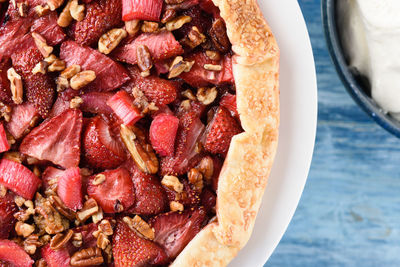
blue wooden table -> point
(349, 214)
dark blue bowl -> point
(354, 84)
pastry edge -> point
(251, 154)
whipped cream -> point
(370, 31)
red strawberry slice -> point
(198, 76)
(14, 254)
(47, 27)
(56, 258)
(116, 193)
(69, 188)
(56, 140)
(156, 89)
(96, 102)
(131, 250)
(62, 102)
(162, 134)
(150, 195)
(162, 45)
(18, 178)
(109, 74)
(21, 118)
(4, 145)
(174, 230)
(208, 200)
(122, 105)
(5, 92)
(220, 131)
(7, 220)
(141, 9)
(101, 148)
(38, 88)
(101, 16)
(186, 155)
(50, 177)
(228, 101)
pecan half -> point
(219, 37)
(87, 257)
(60, 240)
(102, 241)
(105, 227)
(82, 79)
(132, 26)
(77, 11)
(142, 152)
(194, 38)
(206, 167)
(144, 58)
(149, 26)
(41, 44)
(31, 243)
(140, 226)
(17, 89)
(57, 203)
(196, 179)
(70, 71)
(65, 18)
(177, 22)
(110, 40)
(172, 182)
(178, 66)
(207, 95)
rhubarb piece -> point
(47, 27)
(101, 148)
(21, 118)
(109, 74)
(162, 45)
(122, 105)
(56, 140)
(141, 10)
(113, 190)
(7, 210)
(101, 16)
(4, 145)
(162, 134)
(131, 250)
(174, 230)
(14, 254)
(69, 188)
(18, 178)
(96, 102)
(56, 258)
(220, 131)
(38, 88)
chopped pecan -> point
(42, 10)
(172, 182)
(206, 95)
(60, 240)
(47, 218)
(178, 66)
(140, 226)
(31, 243)
(77, 11)
(23, 9)
(149, 26)
(62, 84)
(212, 67)
(98, 216)
(218, 35)
(82, 79)
(57, 203)
(90, 208)
(110, 40)
(40, 67)
(57, 65)
(176, 206)
(5, 111)
(213, 55)
(3, 190)
(65, 18)
(50, 59)
(102, 241)
(87, 257)
(75, 102)
(105, 227)
(168, 15)
(17, 89)
(41, 263)
(24, 229)
(132, 26)
(144, 58)
(196, 179)
(70, 71)
(142, 152)
(41, 44)
(194, 38)
(189, 94)
(19, 201)
(77, 240)
(177, 22)
(54, 4)
(206, 167)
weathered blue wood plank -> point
(349, 214)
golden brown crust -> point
(247, 166)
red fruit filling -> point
(122, 105)
(69, 188)
(4, 145)
(141, 9)
(163, 130)
(12, 253)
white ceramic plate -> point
(297, 131)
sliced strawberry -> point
(208, 200)
(186, 154)
(18, 178)
(38, 88)
(7, 209)
(56, 258)
(4, 145)
(198, 76)
(96, 102)
(101, 148)
(228, 101)
(62, 102)
(131, 250)
(156, 89)
(116, 193)
(220, 131)
(174, 230)
(69, 188)
(101, 16)
(162, 45)
(50, 177)
(14, 254)
(56, 140)
(162, 134)
(109, 74)
(47, 27)
(141, 9)
(5, 92)
(122, 105)
(150, 195)
(21, 118)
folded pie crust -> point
(247, 166)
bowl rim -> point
(328, 11)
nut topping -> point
(213, 55)
(142, 152)
(31, 243)
(24, 229)
(77, 240)
(212, 67)
(60, 240)
(65, 18)
(82, 79)
(149, 26)
(102, 241)
(89, 208)
(75, 102)
(87, 257)
(189, 94)
(172, 182)
(206, 167)
(110, 40)
(176, 206)
(196, 179)
(57, 203)
(144, 58)
(42, 10)
(62, 84)
(138, 225)
(54, 4)
(41, 44)
(17, 90)
(132, 26)
(168, 15)
(106, 228)
(40, 67)
(70, 71)
(50, 59)
(98, 216)
(177, 22)
(3, 190)
(219, 37)
(207, 95)
(57, 65)
(178, 66)
(194, 38)
(77, 11)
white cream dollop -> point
(370, 32)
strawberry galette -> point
(133, 132)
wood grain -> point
(349, 214)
